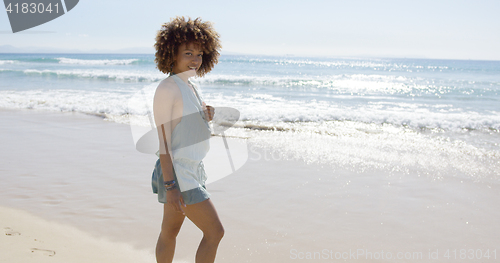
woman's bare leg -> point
(172, 222)
(205, 217)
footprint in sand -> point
(10, 232)
(46, 252)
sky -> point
(440, 29)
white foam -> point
(265, 107)
(262, 107)
(106, 74)
(2, 62)
(63, 60)
(92, 102)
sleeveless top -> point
(190, 139)
(189, 145)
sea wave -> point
(77, 61)
(63, 60)
(3, 62)
(144, 76)
(266, 107)
(91, 102)
(261, 107)
(34, 60)
(355, 83)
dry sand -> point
(27, 238)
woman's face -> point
(188, 59)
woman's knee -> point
(220, 232)
(215, 233)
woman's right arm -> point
(166, 112)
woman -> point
(184, 48)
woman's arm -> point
(167, 107)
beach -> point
(74, 189)
(342, 131)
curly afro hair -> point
(179, 31)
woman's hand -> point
(209, 112)
(174, 199)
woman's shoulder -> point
(168, 87)
(168, 83)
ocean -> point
(420, 117)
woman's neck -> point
(184, 76)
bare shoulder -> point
(167, 104)
(167, 91)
